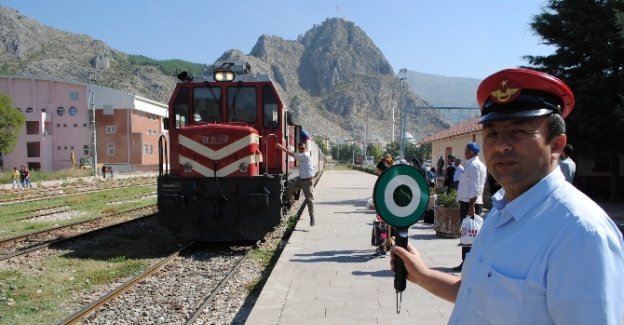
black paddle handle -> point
(400, 272)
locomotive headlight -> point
(188, 167)
(243, 167)
(224, 75)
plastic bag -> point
(370, 204)
(470, 229)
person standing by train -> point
(305, 182)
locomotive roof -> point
(243, 78)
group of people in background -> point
(21, 178)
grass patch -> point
(85, 207)
(54, 287)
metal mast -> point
(92, 131)
(403, 111)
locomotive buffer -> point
(401, 195)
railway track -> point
(179, 295)
(23, 244)
(176, 290)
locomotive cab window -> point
(269, 108)
(181, 108)
(206, 106)
(242, 104)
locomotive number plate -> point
(214, 139)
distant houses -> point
(124, 129)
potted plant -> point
(446, 222)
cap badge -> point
(503, 96)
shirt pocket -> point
(501, 298)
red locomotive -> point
(225, 179)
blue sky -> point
(455, 38)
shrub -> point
(448, 199)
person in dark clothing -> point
(449, 184)
(23, 176)
(104, 171)
(441, 166)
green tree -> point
(393, 148)
(344, 153)
(411, 150)
(11, 123)
(589, 57)
(321, 144)
(375, 151)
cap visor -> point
(508, 115)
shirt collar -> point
(519, 207)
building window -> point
(85, 149)
(65, 147)
(84, 125)
(29, 110)
(72, 147)
(64, 125)
(59, 148)
(73, 111)
(43, 110)
(145, 149)
(32, 127)
(74, 95)
(110, 129)
(110, 149)
(60, 111)
(19, 110)
(151, 149)
(140, 114)
(33, 149)
(75, 125)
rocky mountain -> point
(336, 81)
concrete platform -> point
(326, 274)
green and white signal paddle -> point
(401, 195)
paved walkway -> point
(326, 275)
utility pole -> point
(366, 134)
(92, 130)
(403, 111)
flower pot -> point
(446, 222)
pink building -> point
(58, 122)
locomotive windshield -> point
(242, 104)
(206, 104)
(181, 108)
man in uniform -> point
(546, 253)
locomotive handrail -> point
(162, 148)
(266, 150)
